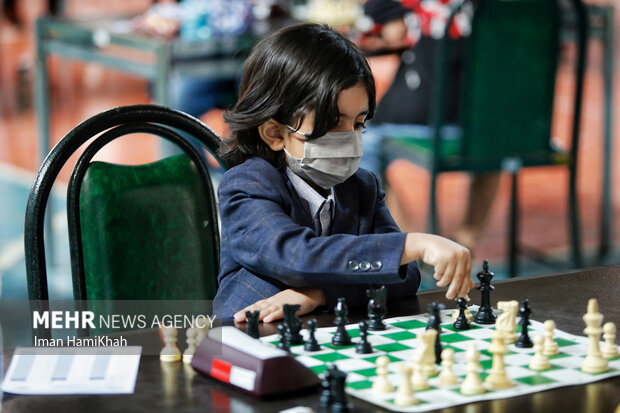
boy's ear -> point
(271, 133)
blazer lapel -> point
(346, 215)
(300, 210)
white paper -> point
(73, 370)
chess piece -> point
(511, 308)
(293, 324)
(539, 361)
(609, 350)
(171, 351)
(326, 388)
(524, 340)
(311, 343)
(419, 379)
(550, 347)
(377, 308)
(498, 379)
(405, 395)
(339, 397)
(363, 346)
(462, 322)
(426, 351)
(434, 322)
(485, 313)
(594, 361)
(382, 384)
(341, 337)
(252, 319)
(472, 383)
(282, 334)
(190, 335)
(447, 377)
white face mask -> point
(328, 160)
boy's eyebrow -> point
(344, 115)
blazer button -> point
(376, 265)
(353, 265)
(364, 265)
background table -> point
(175, 387)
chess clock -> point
(231, 356)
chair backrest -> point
(512, 56)
(136, 232)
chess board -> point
(399, 341)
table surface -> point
(176, 387)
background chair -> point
(135, 232)
(507, 105)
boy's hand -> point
(271, 308)
(452, 261)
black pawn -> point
(252, 319)
(461, 322)
(485, 313)
(377, 308)
(339, 397)
(341, 337)
(326, 388)
(311, 343)
(282, 332)
(363, 346)
(524, 340)
(293, 324)
(434, 322)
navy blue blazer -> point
(269, 242)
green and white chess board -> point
(399, 342)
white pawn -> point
(550, 347)
(594, 361)
(170, 352)
(382, 384)
(419, 380)
(609, 348)
(405, 395)
(191, 335)
(539, 361)
(447, 376)
(472, 383)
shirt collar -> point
(309, 194)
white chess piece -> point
(170, 352)
(594, 361)
(425, 353)
(497, 378)
(472, 383)
(191, 335)
(382, 384)
(419, 379)
(539, 360)
(447, 377)
(550, 347)
(405, 395)
(511, 308)
(609, 348)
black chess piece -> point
(434, 322)
(485, 313)
(363, 346)
(341, 337)
(293, 324)
(252, 319)
(462, 323)
(326, 388)
(377, 308)
(311, 343)
(339, 397)
(524, 340)
(282, 333)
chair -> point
(506, 105)
(140, 232)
